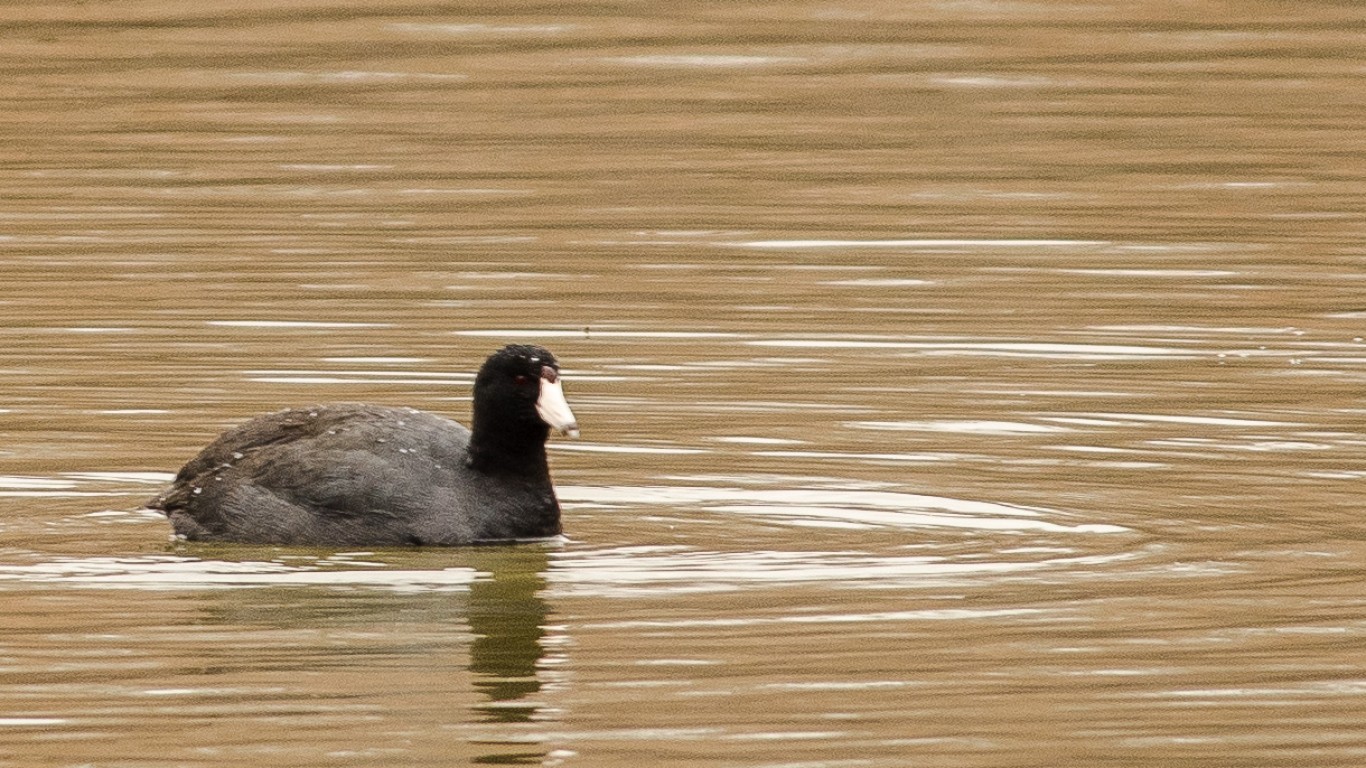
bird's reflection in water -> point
(402, 651)
(507, 617)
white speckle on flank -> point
(197, 491)
(237, 454)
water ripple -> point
(841, 508)
(634, 570)
(191, 573)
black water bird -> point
(349, 475)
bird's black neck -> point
(504, 447)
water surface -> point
(962, 384)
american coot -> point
(365, 475)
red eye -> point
(521, 380)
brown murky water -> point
(962, 383)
